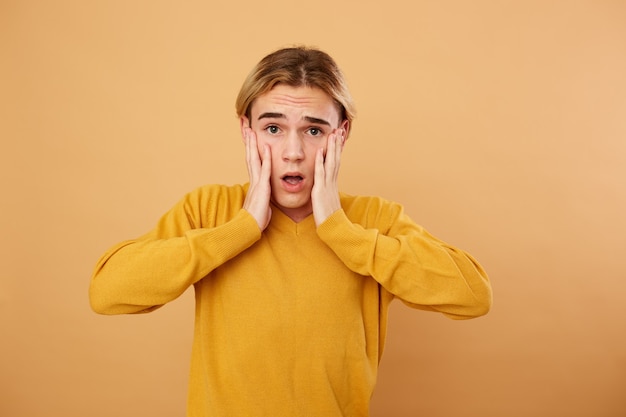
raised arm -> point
(376, 238)
(207, 228)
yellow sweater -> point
(290, 321)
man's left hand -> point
(325, 192)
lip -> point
(291, 186)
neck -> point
(295, 214)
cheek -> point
(261, 142)
(316, 149)
(325, 148)
(275, 154)
(313, 145)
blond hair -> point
(297, 67)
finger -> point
(332, 157)
(319, 167)
(341, 140)
(336, 156)
(266, 163)
(246, 140)
(252, 155)
(341, 137)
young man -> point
(293, 279)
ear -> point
(345, 125)
(244, 124)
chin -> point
(293, 201)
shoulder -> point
(370, 211)
(215, 203)
(219, 191)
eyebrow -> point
(270, 115)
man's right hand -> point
(257, 201)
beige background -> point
(500, 125)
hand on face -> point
(257, 201)
(325, 192)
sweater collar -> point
(283, 223)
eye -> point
(272, 129)
(314, 131)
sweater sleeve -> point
(192, 239)
(422, 271)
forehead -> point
(296, 102)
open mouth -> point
(292, 179)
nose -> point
(293, 149)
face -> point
(295, 123)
